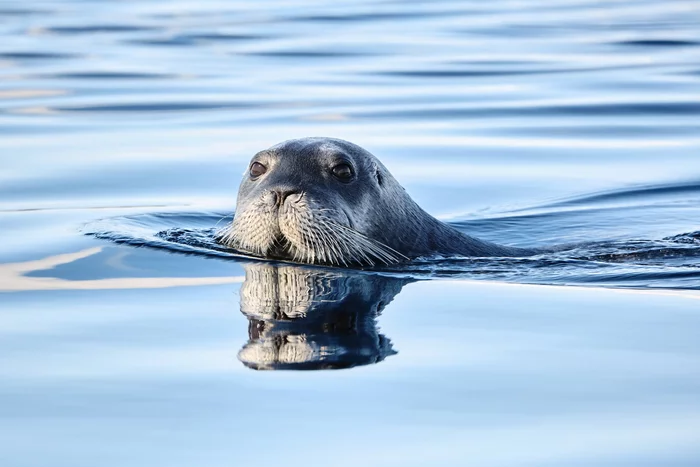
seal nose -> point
(281, 195)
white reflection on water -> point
(13, 278)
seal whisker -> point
(333, 244)
(330, 246)
(225, 217)
(321, 242)
(383, 252)
(388, 254)
(342, 241)
(357, 244)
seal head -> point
(330, 202)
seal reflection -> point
(303, 318)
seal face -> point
(328, 201)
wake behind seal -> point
(330, 202)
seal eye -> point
(343, 172)
(257, 169)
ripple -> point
(98, 28)
(631, 109)
(22, 12)
(369, 17)
(460, 73)
(176, 41)
(192, 39)
(109, 75)
(476, 73)
(190, 233)
(37, 55)
(156, 107)
(308, 53)
(658, 43)
(624, 263)
(213, 37)
(693, 237)
(644, 192)
(614, 131)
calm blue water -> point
(126, 339)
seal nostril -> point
(282, 194)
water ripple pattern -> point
(455, 64)
(615, 259)
(128, 335)
(490, 114)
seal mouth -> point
(280, 248)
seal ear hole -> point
(380, 178)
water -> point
(128, 338)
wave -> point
(670, 262)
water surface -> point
(527, 123)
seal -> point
(329, 202)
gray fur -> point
(370, 220)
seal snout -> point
(280, 195)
